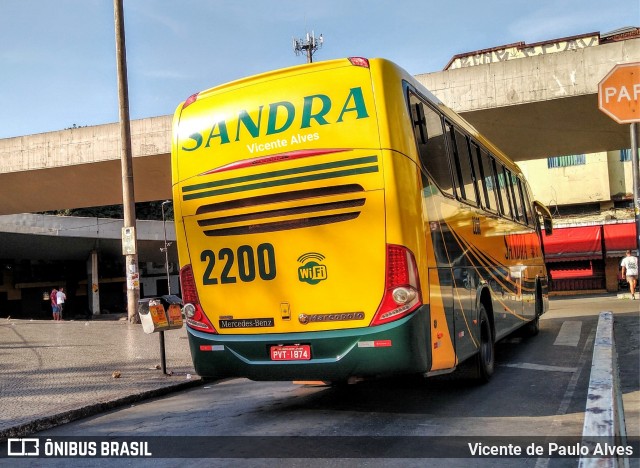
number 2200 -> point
(264, 257)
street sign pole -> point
(619, 98)
(635, 173)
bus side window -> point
(527, 205)
(465, 187)
(526, 214)
(489, 180)
(432, 149)
(503, 193)
(516, 204)
(479, 174)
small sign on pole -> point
(619, 93)
(129, 240)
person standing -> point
(54, 303)
(61, 297)
(629, 266)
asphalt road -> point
(537, 395)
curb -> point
(48, 422)
(627, 295)
(578, 292)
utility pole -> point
(309, 45)
(129, 237)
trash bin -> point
(173, 306)
(160, 313)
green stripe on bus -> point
(284, 172)
(279, 182)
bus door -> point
(442, 303)
(451, 292)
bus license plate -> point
(291, 353)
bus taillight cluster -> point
(196, 318)
(402, 286)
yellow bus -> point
(335, 221)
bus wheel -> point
(533, 328)
(484, 360)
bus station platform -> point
(55, 372)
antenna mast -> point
(309, 45)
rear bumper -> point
(399, 347)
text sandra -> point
(317, 109)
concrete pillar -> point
(94, 291)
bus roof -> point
(273, 74)
(374, 64)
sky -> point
(58, 62)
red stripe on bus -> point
(273, 159)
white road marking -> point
(540, 367)
(569, 334)
(570, 392)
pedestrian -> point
(629, 266)
(54, 303)
(61, 297)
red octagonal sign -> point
(619, 93)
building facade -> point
(591, 199)
(84, 255)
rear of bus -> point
(287, 268)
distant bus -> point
(335, 221)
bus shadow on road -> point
(439, 395)
(525, 382)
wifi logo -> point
(311, 271)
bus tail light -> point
(359, 62)
(193, 312)
(402, 286)
(190, 100)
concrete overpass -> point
(532, 108)
(541, 106)
(80, 167)
(58, 238)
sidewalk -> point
(55, 372)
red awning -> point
(573, 243)
(618, 238)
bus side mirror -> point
(545, 214)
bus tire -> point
(533, 328)
(484, 360)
